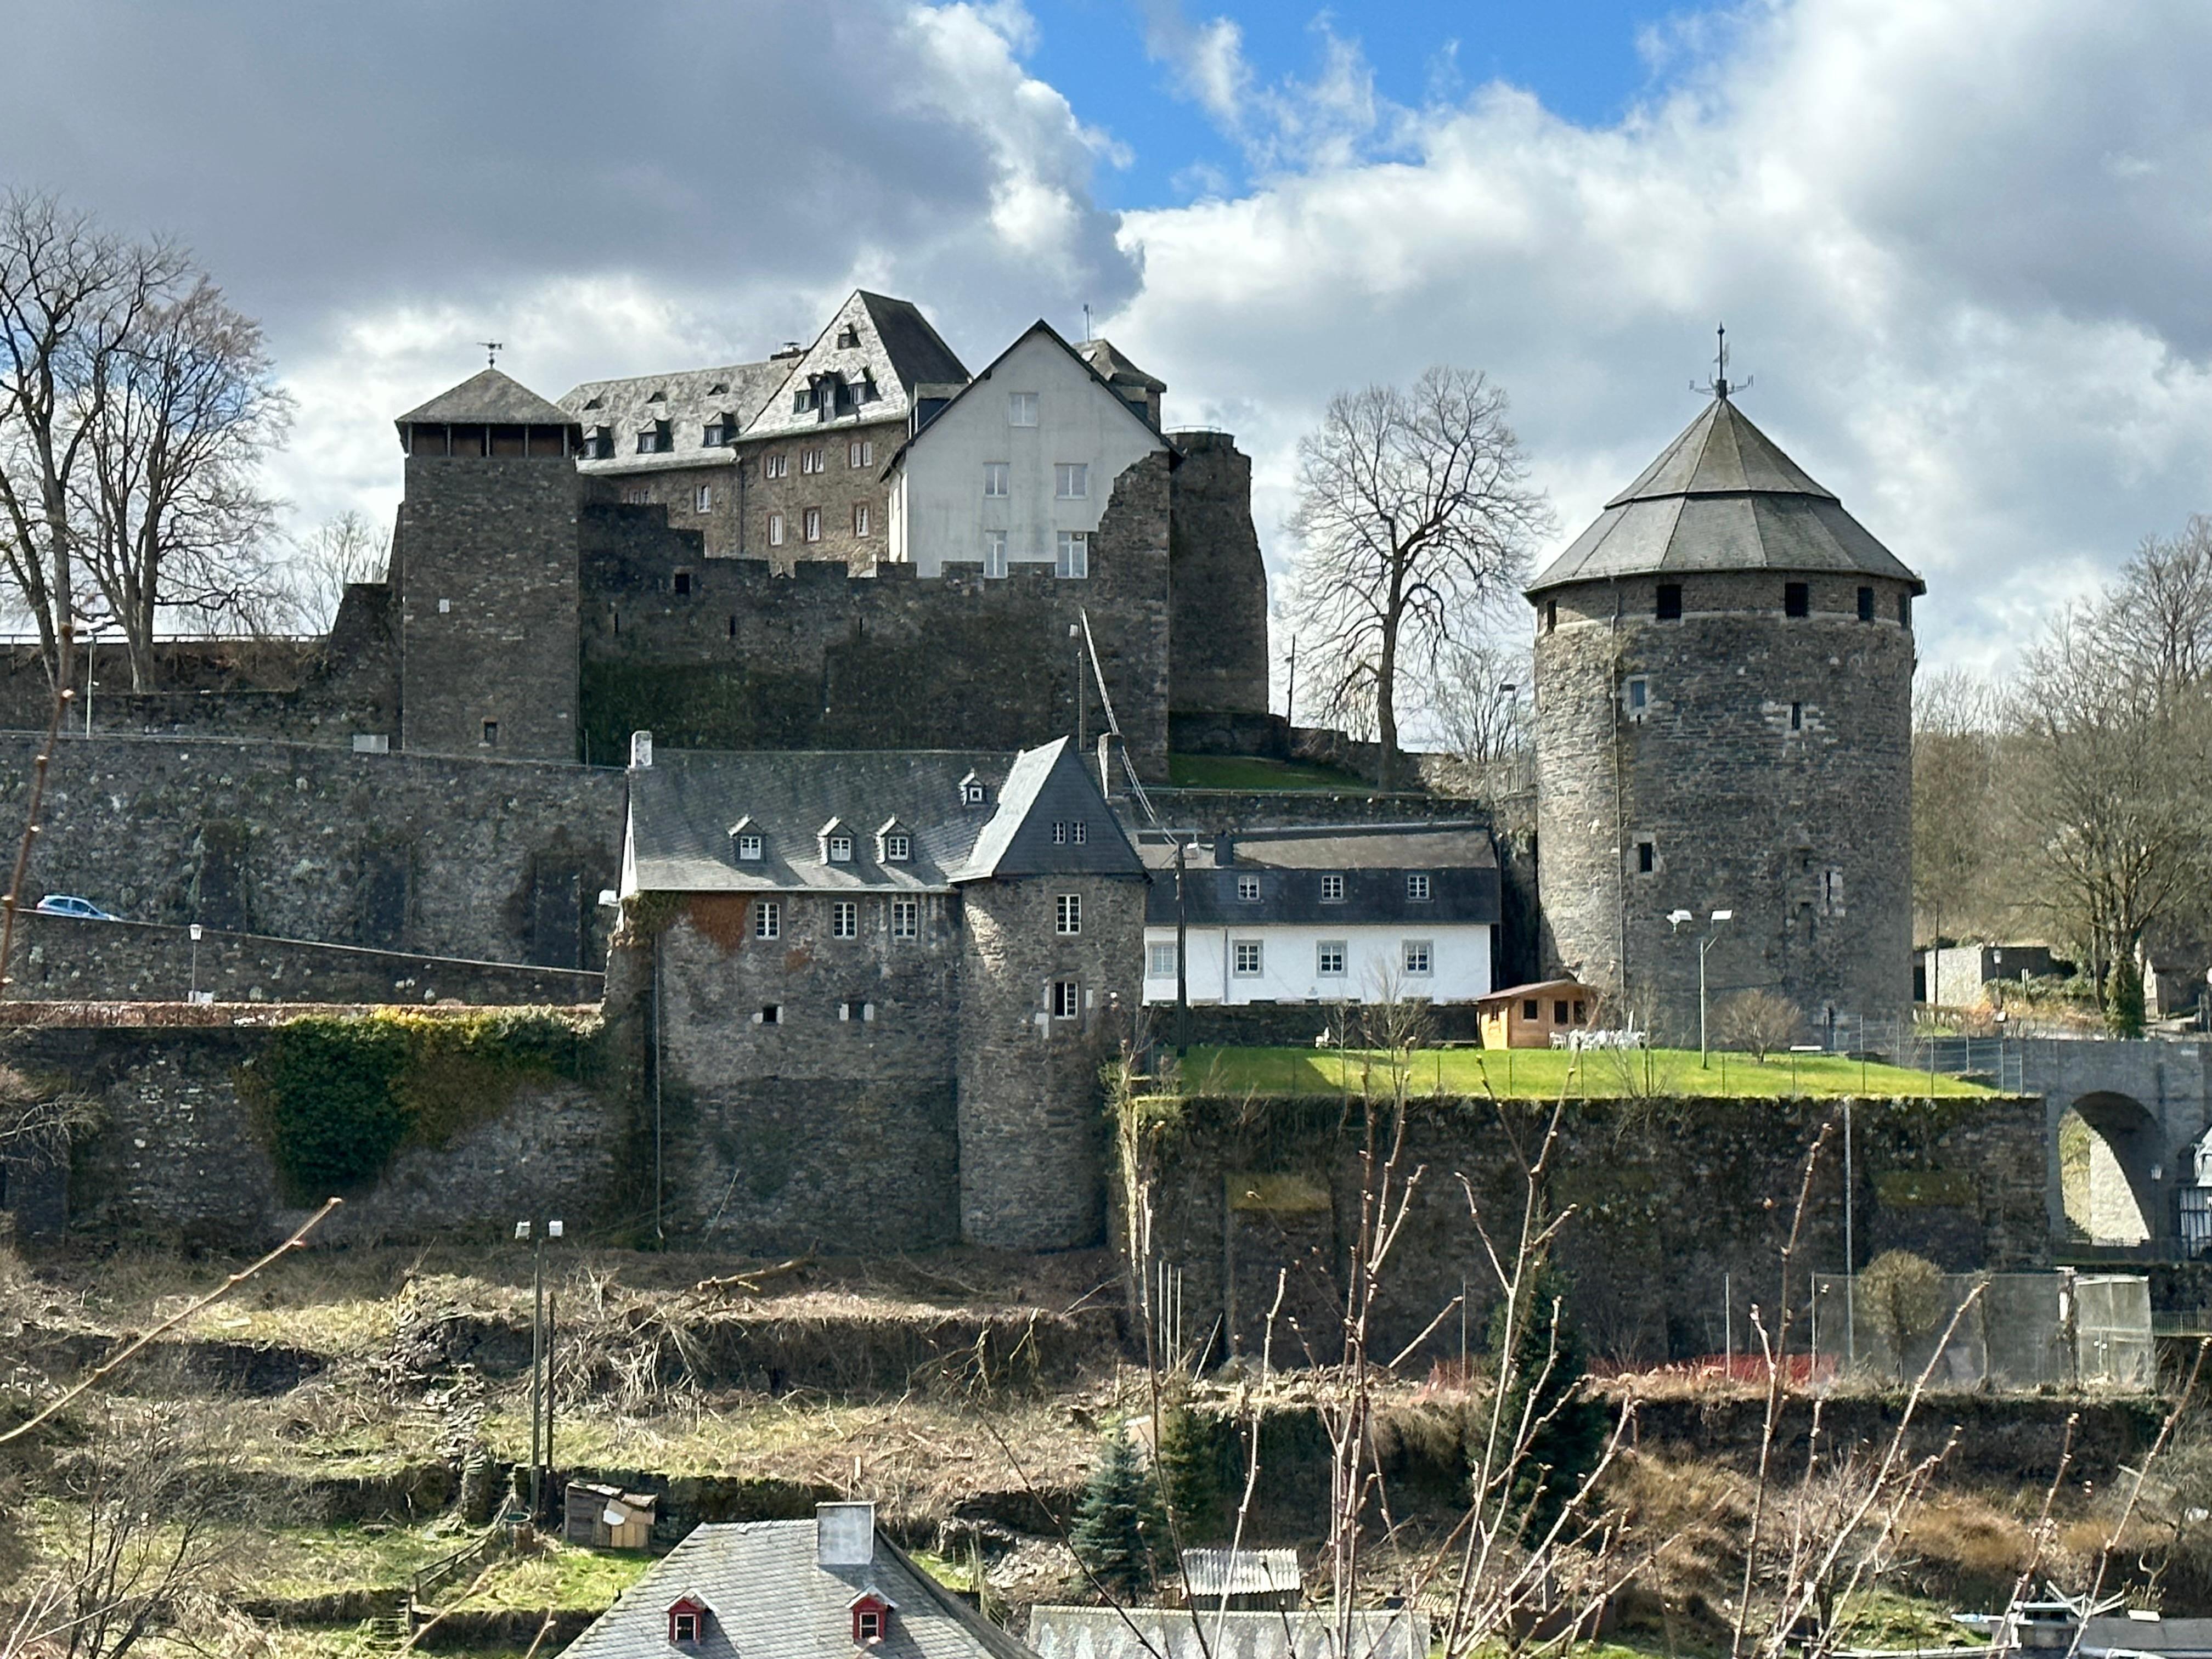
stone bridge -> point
(2144, 1106)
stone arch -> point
(2110, 1153)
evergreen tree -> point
(1119, 1532)
(1194, 1449)
(1571, 1436)
(2124, 998)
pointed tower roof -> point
(1722, 497)
(492, 398)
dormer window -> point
(841, 849)
(595, 403)
(687, 1622)
(745, 838)
(657, 395)
(652, 438)
(836, 842)
(599, 444)
(720, 432)
(893, 844)
(871, 1617)
(848, 337)
(717, 388)
(972, 792)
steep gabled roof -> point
(918, 352)
(1722, 497)
(1106, 357)
(492, 398)
(1043, 787)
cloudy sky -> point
(1961, 245)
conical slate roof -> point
(493, 398)
(1722, 497)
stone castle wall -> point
(1218, 663)
(1772, 751)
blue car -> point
(62, 904)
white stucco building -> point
(1017, 467)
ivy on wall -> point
(337, 1096)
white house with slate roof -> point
(792, 1589)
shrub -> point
(1197, 1459)
(1759, 1022)
(1903, 1294)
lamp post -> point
(541, 1374)
(1719, 918)
(195, 932)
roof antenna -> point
(492, 349)
(1720, 387)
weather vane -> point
(1720, 387)
(492, 349)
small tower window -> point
(1866, 604)
(1066, 999)
(1797, 717)
(682, 581)
(771, 1013)
(1669, 607)
(1797, 598)
(1636, 696)
(491, 733)
(1551, 615)
(1647, 858)
(1904, 611)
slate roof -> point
(492, 397)
(1461, 861)
(1722, 497)
(918, 352)
(1045, 785)
(761, 1583)
(1105, 357)
(688, 402)
(1171, 1633)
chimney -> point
(845, 1535)
(641, 749)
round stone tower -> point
(1724, 680)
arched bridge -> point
(2123, 1122)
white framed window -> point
(1160, 960)
(1416, 954)
(775, 465)
(1332, 890)
(972, 792)
(775, 530)
(1328, 958)
(844, 920)
(703, 499)
(906, 918)
(1078, 832)
(1071, 481)
(1059, 832)
(1417, 887)
(859, 517)
(1248, 888)
(749, 849)
(1067, 913)
(1074, 558)
(771, 1013)
(994, 480)
(994, 552)
(1636, 696)
(1066, 999)
(684, 1627)
(861, 451)
(767, 920)
(637, 497)
(813, 524)
(810, 460)
(841, 849)
(1021, 408)
(897, 849)
(1246, 958)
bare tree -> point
(1758, 1022)
(172, 518)
(1414, 513)
(2161, 616)
(1957, 822)
(1476, 690)
(71, 297)
(337, 554)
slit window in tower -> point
(1797, 598)
(1669, 606)
(490, 734)
(1904, 611)
(1647, 858)
(1866, 604)
(1797, 717)
(1551, 615)
(682, 581)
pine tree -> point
(2124, 997)
(1572, 1438)
(1192, 1453)
(1119, 1534)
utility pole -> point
(1182, 955)
(541, 1381)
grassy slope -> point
(1238, 772)
(1548, 1073)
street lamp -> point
(541, 1373)
(1719, 917)
(196, 930)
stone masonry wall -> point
(1032, 1133)
(1670, 1197)
(491, 861)
(828, 1129)
(1219, 635)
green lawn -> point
(1547, 1073)
(1241, 772)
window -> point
(865, 1011)
(897, 849)
(861, 451)
(1247, 958)
(749, 849)
(1551, 615)
(1669, 607)
(1021, 408)
(1416, 955)
(1866, 604)
(841, 849)
(971, 791)
(681, 582)
(1066, 999)
(1074, 557)
(1832, 891)
(717, 432)
(1417, 887)
(653, 440)
(813, 524)
(1059, 835)
(639, 497)
(848, 336)
(994, 552)
(1248, 888)
(776, 464)
(775, 530)
(1559, 1012)
(1328, 958)
(1067, 913)
(994, 480)
(684, 1627)
(1647, 858)
(1332, 890)
(1078, 832)
(1797, 717)
(1530, 1008)
(771, 1013)
(1636, 696)
(868, 1625)
(810, 460)
(1797, 598)
(767, 920)
(1071, 481)
(1159, 961)
(859, 517)
(906, 918)
(491, 731)
(844, 920)
(1904, 611)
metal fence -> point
(2024, 1330)
(1999, 1061)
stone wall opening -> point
(2109, 1170)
